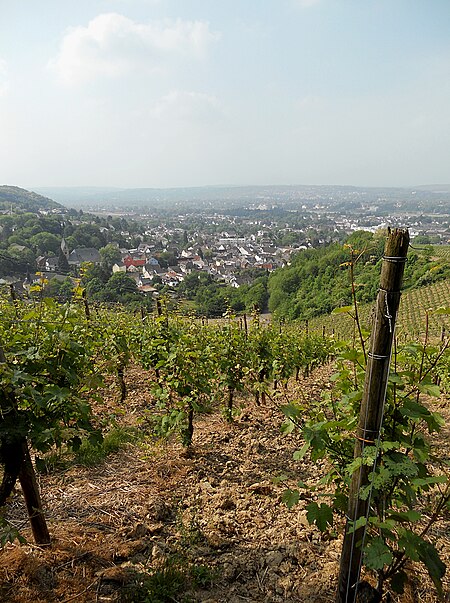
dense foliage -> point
(212, 298)
(318, 280)
(14, 197)
(200, 365)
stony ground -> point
(210, 524)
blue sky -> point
(164, 93)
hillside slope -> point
(20, 199)
(411, 318)
(319, 280)
(210, 525)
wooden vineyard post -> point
(372, 406)
(27, 478)
(30, 489)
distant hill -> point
(434, 199)
(19, 199)
(435, 188)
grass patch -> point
(88, 454)
(169, 583)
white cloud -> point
(112, 45)
(4, 83)
(187, 106)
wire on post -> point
(395, 259)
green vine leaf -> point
(354, 526)
(430, 389)
(377, 554)
(442, 310)
(399, 465)
(292, 411)
(436, 568)
(321, 516)
(299, 454)
(290, 498)
(343, 310)
(405, 516)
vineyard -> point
(411, 320)
(187, 461)
(441, 251)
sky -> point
(178, 93)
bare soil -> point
(216, 511)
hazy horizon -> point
(427, 186)
(193, 93)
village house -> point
(119, 267)
(84, 254)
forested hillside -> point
(15, 198)
(319, 280)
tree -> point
(22, 256)
(86, 235)
(63, 264)
(62, 290)
(46, 242)
(257, 296)
(110, 255)
(121, 283)
(167, 258)
(211, 300)
(94, 286)
(193, 282)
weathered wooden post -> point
(372, 405)
(87, 310)
(245, 326)
(24, 470)
(32, 496)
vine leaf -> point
(290, 498)
(292, 411)
(343, 309)
(405, 516)
(418, 549)
(299, 454)
(442, 310)
(436, 568)
(377, 554)
(430, 389)
(355, 525)
(322, 516)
